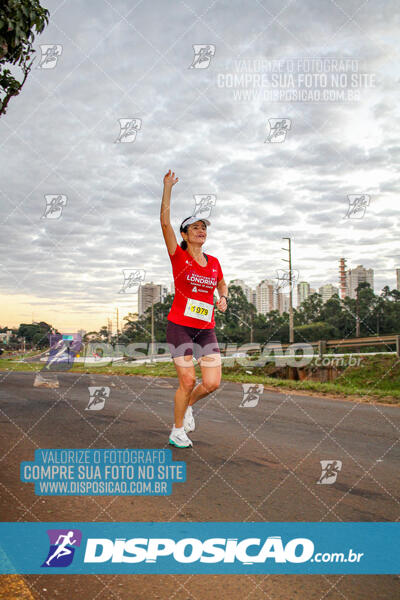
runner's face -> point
(197, 233)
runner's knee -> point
(187, 382)
(211, 384)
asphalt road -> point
(259, 463)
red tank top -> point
(194, 290)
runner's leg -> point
(180, 344)
(187, 380)
(211, 377)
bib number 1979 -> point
(198, 310)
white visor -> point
(194, 219)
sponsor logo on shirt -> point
(193, 277)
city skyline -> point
(159, 291)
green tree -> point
(135, 328)
(35, 334)
(235, 324)
(388, 309)
(18, 18)
(332, 309)
(379, 314)
(312, 332)
(272, 327)
(333, 313)
(103, 333)
(91, 333)
(138, 328)
(309, 310)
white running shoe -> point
(178, 438)
(188, 420)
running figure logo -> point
(278, 129)
(63, 350)
(251, 394)
(204, 204)
(50, 55)
(202, 55)
(128, 130)
(54, 206)
(357, 205)
(98, 397)
(132, 280)
(62, 547)
(283, 278)
(330, 470)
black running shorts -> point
(185, 341)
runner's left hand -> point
(222, 304)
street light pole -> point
(152, 326)
(357, 315)
(289, 260)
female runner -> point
(190, 328)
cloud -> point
(59, 137)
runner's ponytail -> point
(184, 242)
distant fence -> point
(324, 346)
(361, 342)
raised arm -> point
(168, 232)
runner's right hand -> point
(170, 180)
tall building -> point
(327, 291)
(265, 296)
(268, 298)
(398, 279)
(282, 302)
(303, 291)
(247, 291)
(356, 276)
(150, 293)
(164, 292)
(342, 278)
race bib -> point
(198, 310)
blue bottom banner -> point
(193, 547)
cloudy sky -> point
(211, 125)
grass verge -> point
(376, 379)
